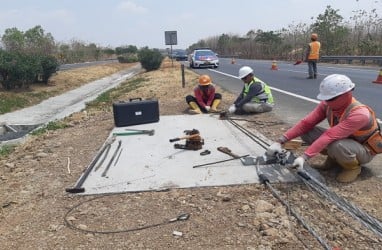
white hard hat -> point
(244, 71)
(334, 85)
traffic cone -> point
(274, 65)
(233, 60)
(379, 78)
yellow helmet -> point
(314, 36)
(204, 80)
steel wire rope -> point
(181, 217)
(252, 136)
(365, 219)
(320, 197)
(265, 181)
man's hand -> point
(299, 163)
(232, 109)
(207, 108)
(274, 148)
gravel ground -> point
(37, 213)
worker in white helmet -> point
(353, 138)
(255, 97)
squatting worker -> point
(255, 97)
(353, 138)
(312, 55)
(205, 99)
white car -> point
(203, 58)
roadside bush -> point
(21, 69)
(18, 69)
(150, 59)
(128, 58)
(49, 65)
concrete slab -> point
(152, 163)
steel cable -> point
(358, 214)
(361, 216)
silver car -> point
(203, 58)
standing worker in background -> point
(255, 97)
(354, 136)
(312, 55)
(205, 99)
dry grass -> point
(59, 83)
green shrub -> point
(150, 59)
(128, 58)
(49, 65)
(5, 150)
(53, 125)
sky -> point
(113, 23)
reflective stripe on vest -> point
(314, 50)
(364, 133)
(265, 93)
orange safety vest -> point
(364, 133)
(314, 52)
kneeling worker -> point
(205, 99)
(352, 139)
(255, 97)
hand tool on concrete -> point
(112, 159)
(294, 144)
(216, 162)
(78, 187)
(184, 137)
(248, 160)
(228, 151)
(116, 161)
(99, 164)
(135, 132)
(193, 140)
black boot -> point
(315, 76)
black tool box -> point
(135, 111)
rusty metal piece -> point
(228, 151)
(193, 140)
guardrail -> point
(350, 59)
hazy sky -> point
(143, 22)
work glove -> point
(274, 148)
(298, 163)
(232, 109)
(207, 108)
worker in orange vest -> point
(312, 55)
(353, 138)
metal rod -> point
(78, 187)
(112, 159)
(215, 162)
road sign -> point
(170, 38)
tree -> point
(32, 41)
(13, 40)
(331, 31)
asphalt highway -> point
(295, 95)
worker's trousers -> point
(255, 107)
(344, 150)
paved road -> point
(295, 95)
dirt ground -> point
(37, 213)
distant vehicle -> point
(203, 58)
(181, 56)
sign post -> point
(170, 39)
